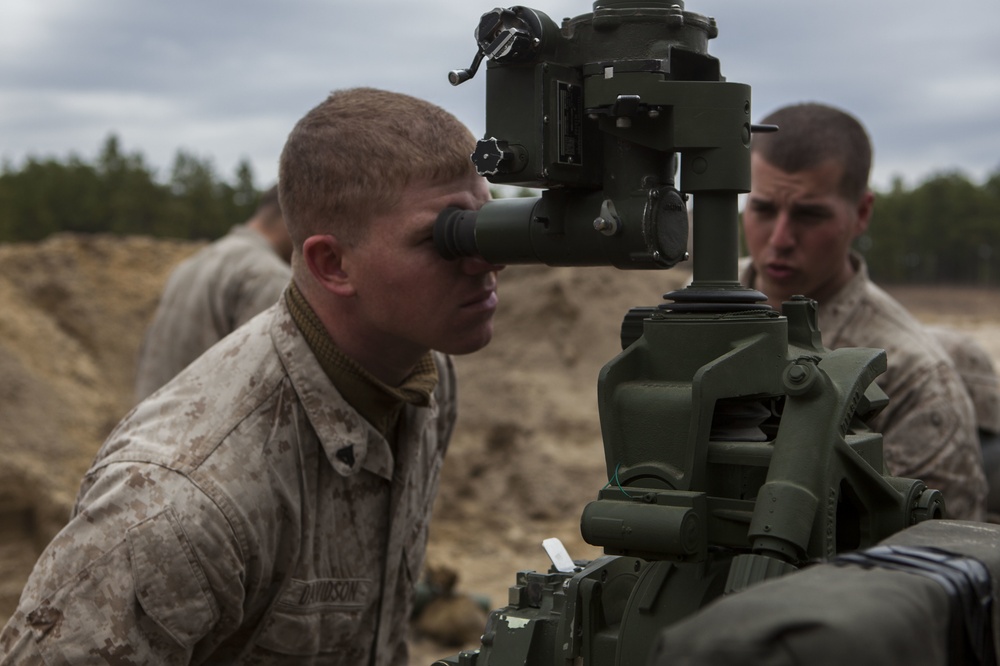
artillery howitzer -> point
(736, 445)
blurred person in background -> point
(979, 375)
(809, 201)
(211, 293)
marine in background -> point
(809, 201)
(211, 293)
(979, 375)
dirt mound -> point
(72, 312)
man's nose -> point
(478, 265)
(782, 235)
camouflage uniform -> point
(975, 367)
(206, 297)
(928, 428)
(245, 514)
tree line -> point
(944, 230)
(120, 194)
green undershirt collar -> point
(376, 401)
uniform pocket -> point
(169, 582)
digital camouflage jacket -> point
(246, 514)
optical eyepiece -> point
(455, 233)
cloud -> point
(229, 78)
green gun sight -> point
(605, 114)
(737, 446)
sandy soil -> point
(526, 457)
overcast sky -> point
(227, 79)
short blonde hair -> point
(349, 158)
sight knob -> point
(492, 156)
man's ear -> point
(864, 211)
(324, 256)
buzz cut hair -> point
(810, 134)
(350, 157)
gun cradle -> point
(738, 451)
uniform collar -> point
(834, 314)
(350, 442)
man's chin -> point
(469, 344)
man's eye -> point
(762, 210)
(811, 215)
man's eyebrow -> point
(811, 208)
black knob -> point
(491, 156)
(509, 35)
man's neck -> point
(387, 361)
(378, 403)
